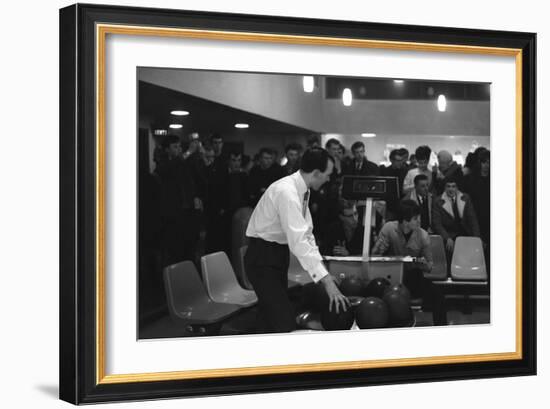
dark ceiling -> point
(206, 117)
(383, 88)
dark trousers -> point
(432, 297)
(266, 265)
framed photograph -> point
(259, 203)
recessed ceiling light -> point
(180, 113)
(441, 103)
(241, 126)
(308, 83)
(176, 126)
(347, 97)
(368, 135)
(398, 81)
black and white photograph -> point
(280, 203)
(254, 202)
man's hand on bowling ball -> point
(341, 303)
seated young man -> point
(421, 195)
(344, 237)
(405, 237)
(454, 215)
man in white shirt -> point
(281, 222)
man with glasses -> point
(344, 237)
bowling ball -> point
(399, 288)
(334, 321)
(399, 307)
(376, 287)
(372, 313)
(352, 286)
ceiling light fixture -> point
(176, 126)
(308, 83)
(441, 103)
(241, 126)
(347, 97)
(398, 81)
(368, 135)
(180, 113)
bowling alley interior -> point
(402, 224)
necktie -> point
(304, 204)
(358, 166)
(455, 210)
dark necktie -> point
(455, 210)
(304, 204)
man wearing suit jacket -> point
(422, 196)
(454, 215)
(360, 165)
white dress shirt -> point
(278, 217)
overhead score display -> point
(375, 187)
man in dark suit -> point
(422, 196)
(360, 165)
(177, 203)
(263, 175)
(292, 153)
(231, 193)
(454, 215)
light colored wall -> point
(375, 147)
(281, 97)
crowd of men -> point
(197, 187)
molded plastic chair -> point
(187, 298)
(468, 262)
(439, 269)
(221, 282)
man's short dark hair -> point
(269, 151)
(332, 141)
(315, 158)
(357, 145)
(169, 140)
(484, 156)
(451, 179)
(423, 152)
(403, 152)
(293, 147)
(312, 140)
(407, 210)
(420, 177)
(215, 136)
(394, 153)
